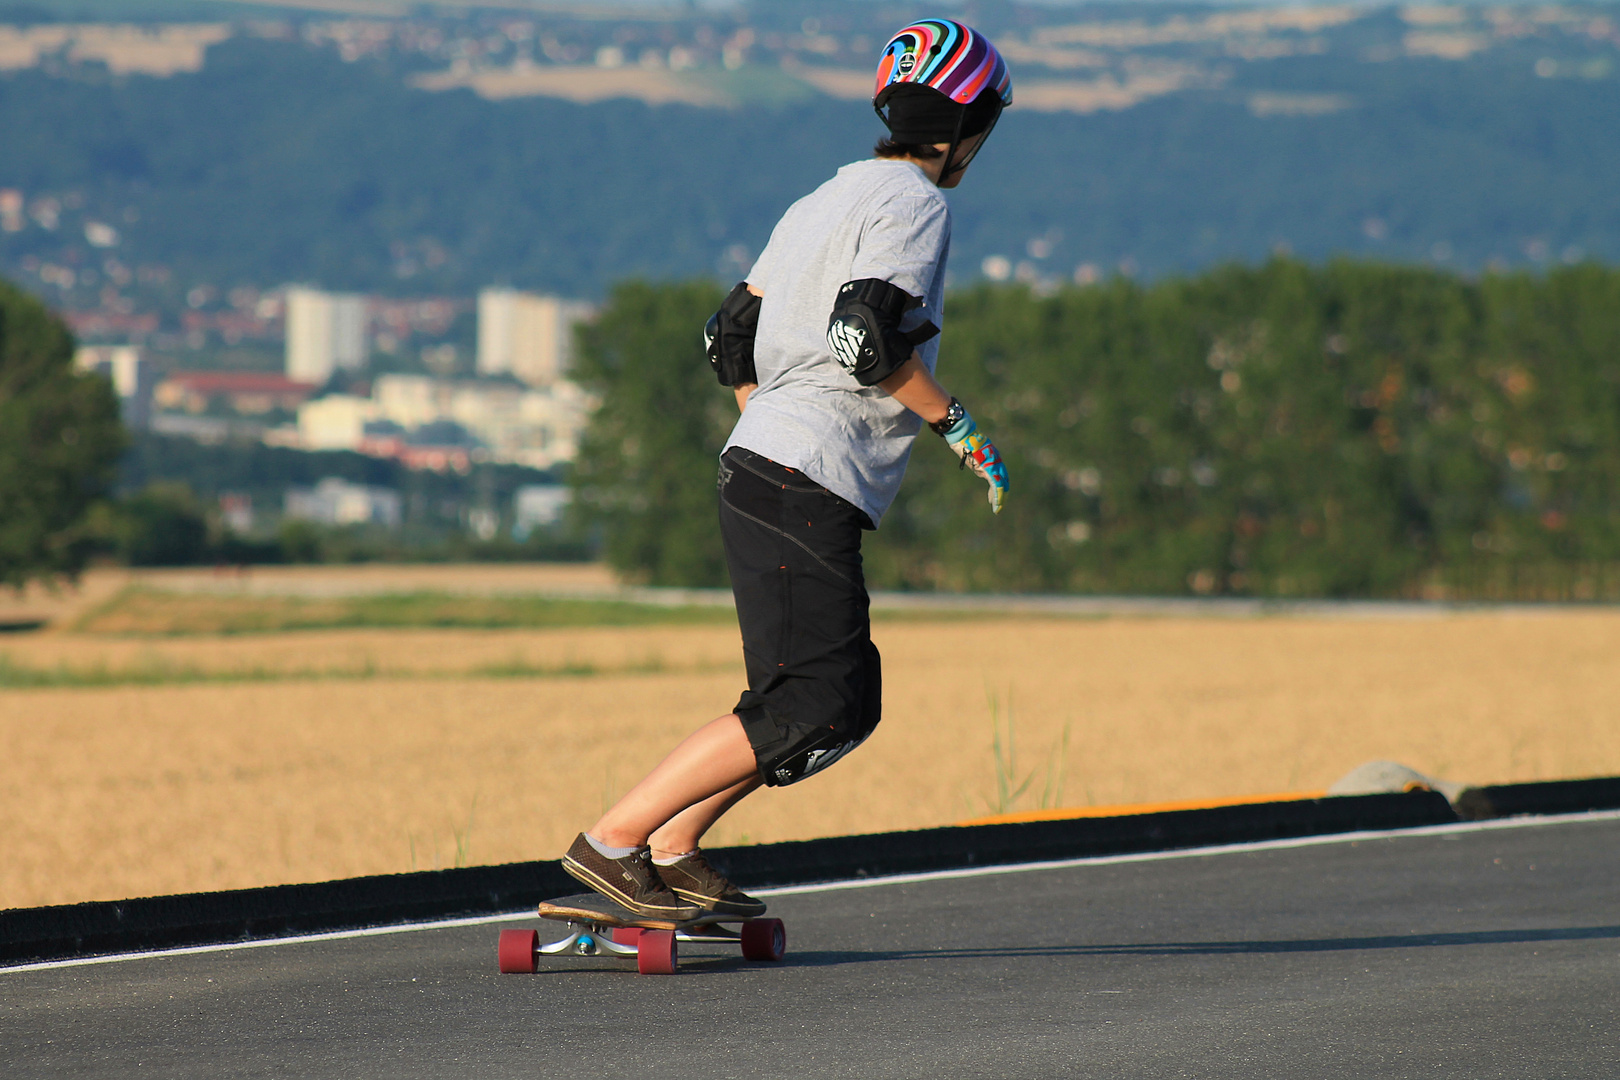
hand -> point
(978, 453)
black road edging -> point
(1543, 797)
(77, 930)
(844, 857)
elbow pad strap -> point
(864, 332)
(728, 339)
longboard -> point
(600, 927)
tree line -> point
(1286, 430)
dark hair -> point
(888, 148)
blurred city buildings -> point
(526, 335)
(236, 512)
(341, 388)
(326, 333)
(479, 420)
(245, 393)
(538, 506)
(131, 375)
(521, 410)
(333, 501)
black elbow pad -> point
(729, 337)
(864, 331)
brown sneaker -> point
(630, 881)
(692, 878)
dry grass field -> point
(136, 764)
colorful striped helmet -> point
(946, 56)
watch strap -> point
(953, 416)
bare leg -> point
(711, 761)
(682, 833)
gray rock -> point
(1378, 777)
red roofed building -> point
(248, 392)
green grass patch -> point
(15, 676)
(139, 612)
(160, 672)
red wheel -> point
(626, 935)
(764, 939)
(517, 950)
(656, 954)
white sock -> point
(608, 852)
(669, 860)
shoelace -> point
(640, 867)
(699, 868)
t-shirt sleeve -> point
(759, 275)
(905, 244)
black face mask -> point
(921, 115)
(917, 114)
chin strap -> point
(952, 167)
(946, 170)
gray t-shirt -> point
(876, 219)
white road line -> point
(1199, 853)
(874, 882)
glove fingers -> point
(987, 465)
(979, 454)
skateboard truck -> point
(587, 941)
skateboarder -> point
(829, 345)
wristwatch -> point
(953, 416)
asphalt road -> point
(1483, 953)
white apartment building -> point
(131, 375)
(527, 335)
(325, 332)
(334, 422)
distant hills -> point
(1153, 140)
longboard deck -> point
(599, 910)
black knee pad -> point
(806, 751)
(807, 759)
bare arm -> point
(912, 386)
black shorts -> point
(814, 677)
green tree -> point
(1354, 429)
(646, 469)
(161, 525)
(60, 438)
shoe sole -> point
(584, 876)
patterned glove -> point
(976, 452)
